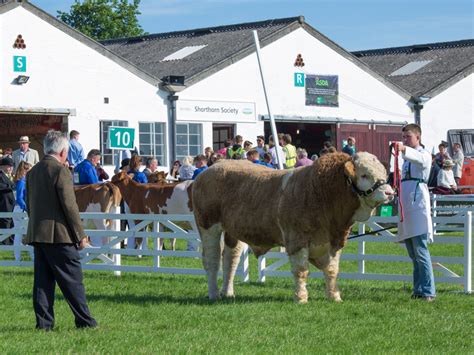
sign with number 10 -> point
(121, 137)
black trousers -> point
(59, 263)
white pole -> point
(272, 120)
(468, 252)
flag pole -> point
(278, 149)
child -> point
(446, 183)
(416, 229)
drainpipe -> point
(172, 98)
(172, 84)
(418, 104)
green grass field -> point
(152, 313)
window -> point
(152, 140)
(108, 154)
(188, 140)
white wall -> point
(451, 109)
(361, 97)
(65, 73)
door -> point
(220, 133)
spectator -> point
(151, 166)
(274, 150)
(289, 150)
(314, 157)
(247, 146)
(260, 146)
(253, 156)
(174, 173)
(25, 153)
(441, 155)
(125, 164)
(186, 170)
(119, 157)
(303, 160)
(458, 160)
(267, 159)
(7, 198)
(8, 153)
(55, 231)
(326, 145)
(20, 205)
(215, 158)
(446, 183)
(349, 148)
(200, 163)
(101, 173)
(85, 172)
(236, 151)
(208, 151)
(227, 144)
(134, 170)
(76, 152)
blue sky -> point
(353, 24)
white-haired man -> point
(55, 231)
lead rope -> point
(397, 181)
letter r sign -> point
(19, 63)
(299, 79)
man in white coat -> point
(416, 228)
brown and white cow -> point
(172, 198)
(98, 198)
(158, 177)
(309, 211)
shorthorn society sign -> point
(189, 110)
(322, 90)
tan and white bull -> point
(309, 211)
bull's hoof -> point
(336, 297)
(301, 300)
(228, 295)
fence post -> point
(115, 226)
(245, 263)
(157, 227)
(435, 203)
(361, 250)
(468, 252)
(261, 268)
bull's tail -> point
(116, 195)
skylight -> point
(183, 52)
(411, 67)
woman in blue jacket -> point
(20, 204)
(138, 176)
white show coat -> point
(446, 178)
(415, 196)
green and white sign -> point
(19, 63)
(121, 137)
(386, 211)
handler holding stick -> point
(416, 228)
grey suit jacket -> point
(51, 204)
(31, 156)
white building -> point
(439, 77)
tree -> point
(104, 19)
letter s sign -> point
(19, 63)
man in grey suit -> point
(55, 231)
(25, 153)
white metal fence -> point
(279, 260)
(108, 256)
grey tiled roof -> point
(225, 45)
(222, 43)
(449, 62)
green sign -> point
(322, 90)
(299, 79)
(386, 211)
(19, 63)
(121, 138)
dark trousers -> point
(59, 263)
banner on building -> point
(215, 111)
(322, 90)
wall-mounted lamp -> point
(22, 79)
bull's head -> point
(369, 179)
